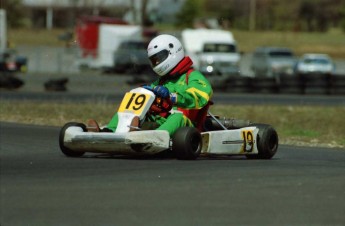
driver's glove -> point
(161, 91)
(173, 98)
(147, 87)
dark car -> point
(131, 57)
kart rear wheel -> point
(68, 152)
(267, 142)
(186, 143)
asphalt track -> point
(91, 87)
(40, 186)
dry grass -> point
(302, 124)
(305, 125)
(55, 114)
(35, 37)
(332, 42)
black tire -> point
(68, 152)
(186, 143)
(267, 142)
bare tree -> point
(144, 18)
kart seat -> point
(202, 115)
(198, 117)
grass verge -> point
(302, 125)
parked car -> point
(10, 62)
(272, 61)
(131, 56)
(315, 64)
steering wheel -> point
(160, 106)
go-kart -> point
(212, 135)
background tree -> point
(145, 20)
(342, 16)
(190, 10)
(15, 12)
(297, 15)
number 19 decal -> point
(248, 140)
(138, 102)
(133, 102)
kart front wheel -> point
(267, 142)
(186, 143)
(68, 152)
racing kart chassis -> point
(188, 143)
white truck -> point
(213, 51)
(109, 38)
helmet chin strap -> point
(181, 67)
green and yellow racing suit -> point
(192, 91)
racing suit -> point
(191, 90)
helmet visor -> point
(159, 57)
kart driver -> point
(187, 89)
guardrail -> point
(328, 84)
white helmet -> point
(164, 52)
